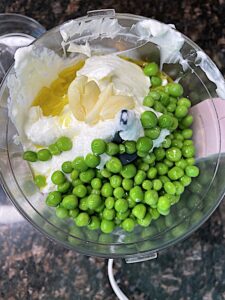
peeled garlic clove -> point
(90, 96)
(93, 116)
(75, 92)
(115, 104)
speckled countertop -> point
(33, 267)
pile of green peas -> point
(62, 144)
(139, 192)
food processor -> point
(102, 32)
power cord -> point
(113, 283)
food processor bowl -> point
(202, 82)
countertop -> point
(33, 267)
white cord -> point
(113, 283)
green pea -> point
(98, 146)
(82, 219)
(177, 143)
(188, 151)
(181, 111)
(159, 153)
(155, 95)
(162, 169)
(127, 184)
(187, 121)
(54, 149)
(150, 158)
(61, 212)
(142, 154)
(151, 198)
(170, 188)
(107, 226)
(178, 136)
(94, 223)
(83, 204)
(109, 214)
(175, 173)
(164, 98)
(185, 102)
(70, 202)
(130, 147)
(122, 149)
(151, 69)
(44, 155)
(143, 166)
(30, 156)
(67, 167)
(128, 171)
(109, 202)
(40, 181)
(121, 205)
(92, 160)
(171, 107)
(114, 165)
(107, 190)
(182, 163)
(76, 182)
(148, 101)
(96, 183)
(94, 191)
(94, 201)
(149, 119)
(87, 176)
(190, 161)
(163, 205)
(64, 187)
(175, 89)
(144, 144)
(167, 162)
(166, 121)
(139, 177)
(128, 224)
(166, 143)
(80, 190)
(64, 143)
(146, 185)
(112, 149)
(173, 154)
(156, 184)
(73, 213)
(156, 81)
(159, 107)
(154, 213)
(100, 209)
(118, 192)
(79, 164)
(175, 124)
(105, 173)
(139, 211)
(53, 198)
(131, 202)
(179, 188)
(115, 181)
(164, 179)
(74, 175)
(152, 172)
(192, 171)
(188, 142)
(136, 193)
(145, 222)
(185, 180)
(153, 133)
(58, 177)
(187, 133)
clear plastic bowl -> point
(197, 203)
